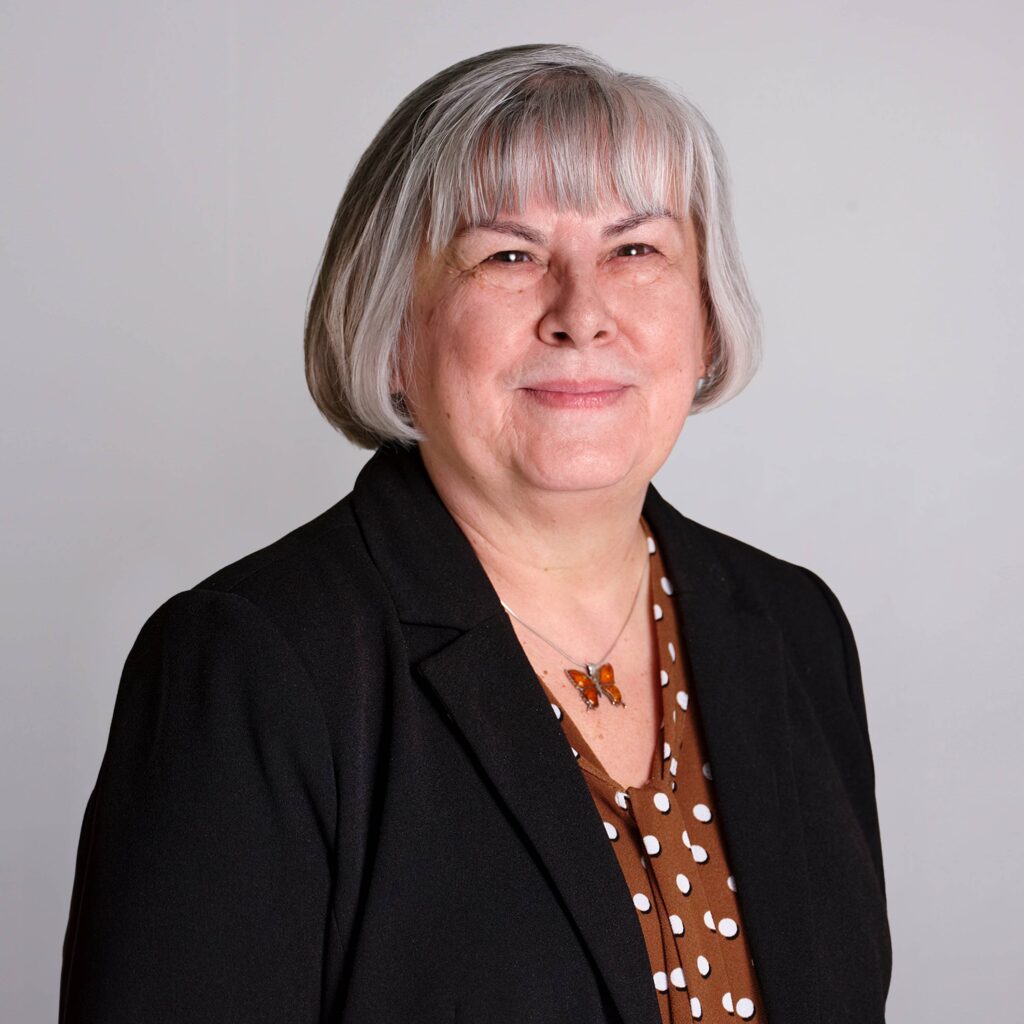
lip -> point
(593, 393)
(590, 386)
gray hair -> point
(477, 139)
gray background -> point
(169, 175)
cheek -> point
(674, 329)
(469, 344)
(490, 326)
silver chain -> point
(583, 664)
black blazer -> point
(333, 791)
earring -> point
(702, 383)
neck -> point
(567, 560)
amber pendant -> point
(598, 681)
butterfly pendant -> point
(597, 681)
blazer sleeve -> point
(202, 885)
(864, 793)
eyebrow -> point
(628, 223)
(528, 234)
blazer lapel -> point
(519, 746)
(435, 579)
(740, 674)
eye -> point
(509, 257)
(635, 249)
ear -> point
(708, 352)
(396, 381)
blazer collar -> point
(427, 563)
(740, 671)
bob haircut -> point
(478, 139)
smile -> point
(577, 394)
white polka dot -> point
(651, 845)
(660, 981)
(728, 927)
(703, 966)
(673, 785)
(666, 751)
(700, 855)
(673, 714)
(658, 613)
(727, 1002)
(683, 884)
(682, 698)
(677, 977)
(641, 902)
(557, 710)
(621, 798)
(643, 861)
(731, 882)
(672, 650)
(709, 920)
(673, 765)
(745, 1008)
(666, 585)
(677, 924)
(706, 769)
(664, 678)
(695, 1008)
(686, 839)
(613, 832)
(702, 812)
(575, 752)
(650, 545)
(661, 802)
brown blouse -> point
(668, 843)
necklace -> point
(598, 677)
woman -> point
(501, 736)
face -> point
(558, 351)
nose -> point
(576, 311)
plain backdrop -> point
(169, 174)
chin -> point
(566, 464)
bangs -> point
(567, 140)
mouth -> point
(577, 394)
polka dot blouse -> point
(666, 838)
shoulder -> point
(811, 621)
(809, 618)
(812, 629)
(786, 590)
(269, 636)
(314, 590)
(313, 596)
(310, 579)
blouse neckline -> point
(588, 760)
